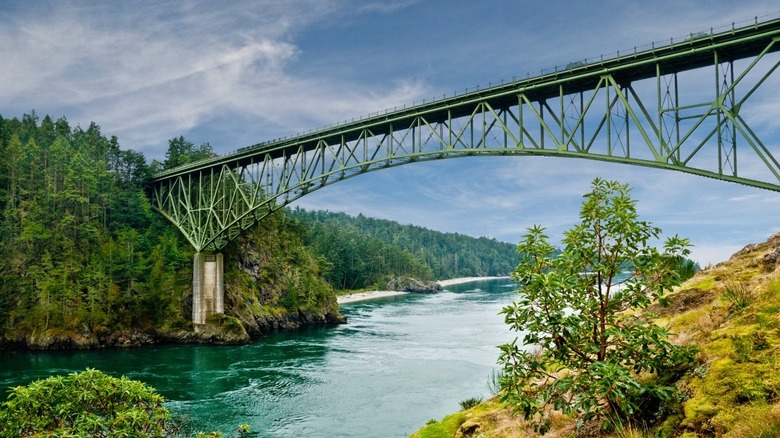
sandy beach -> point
(445, 283)
(371, 295)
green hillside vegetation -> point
(731, 313)
(363, 252)
(85, 404)
(87, 263)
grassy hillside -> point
(731, 312)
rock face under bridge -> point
(208, 286)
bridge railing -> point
(687, 39)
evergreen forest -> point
(362, 251)
(88, 263)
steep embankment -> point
(731, 312)
(276, 283)
(272, 283)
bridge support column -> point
(208, 286)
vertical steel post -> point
(718, 112)
(733, 125)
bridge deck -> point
(695, 52)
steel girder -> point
(651, 108)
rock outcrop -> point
(407, 284)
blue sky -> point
(238, 73)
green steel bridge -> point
(690, 104)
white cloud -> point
(150, 73)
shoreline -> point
(375, 294)
(450, 282)
(369, 295)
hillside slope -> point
(364, 252)
(731, 312)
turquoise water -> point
(399, 362)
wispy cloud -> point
(151, 72)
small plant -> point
(470, 402)
(737, 295)
(743, 348)
(629, 431)
(243, 429)
(760, 342)
(686, 268)
(701, 370)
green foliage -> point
(181, 152)
(86, 404)
(686, 268)
(78, 234)
(354, 258)
(737, 295)
(226, 323)
(470, 402)
(599, 356)
(277, 271)
(84, 255)
(363, 252)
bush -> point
(86, 404)
(582, 309)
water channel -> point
(399, 362)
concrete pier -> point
(208, 286)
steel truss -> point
(651, 108)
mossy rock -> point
(223, 329)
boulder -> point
(408, 284)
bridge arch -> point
(644, 108)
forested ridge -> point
(87, 263)
(82, 250)
(362, 251)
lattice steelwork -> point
(683, 106)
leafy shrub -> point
(86, 404)
(584, 315)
